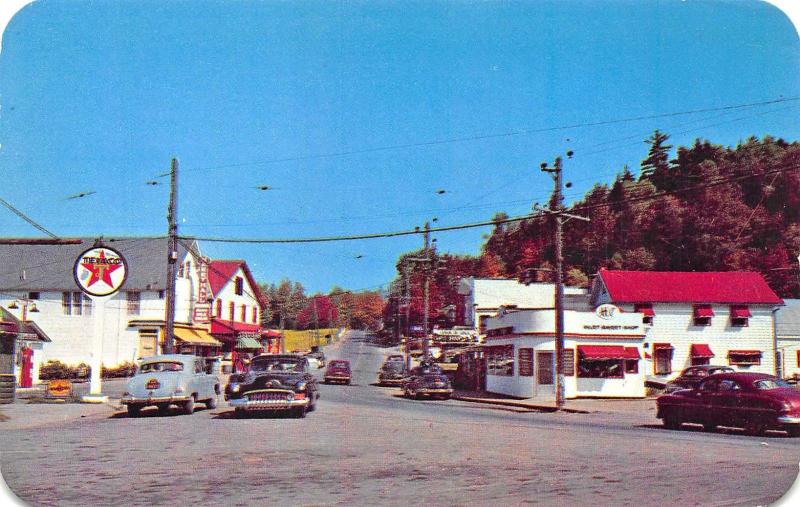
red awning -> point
(228, 327)
(703, 311)
(647, 356)
(632, 353)
(645, 308)
(603, 352)
(740, 312)
(701, 350)
(271, 333)
(744, 353)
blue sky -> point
(98, 96)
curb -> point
(509, 403)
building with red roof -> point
(237, 306)
(697, 318)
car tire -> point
(312, 405)
(188, 406)
(347, 382)
(211, 403)
(163, 409)
(754, 428)
(300, 412)
(672, 421)
(134, 410)
(709, 427)
(238, 413)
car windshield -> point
(161, 366)
(393, 366)
(339, 364)
(769, 383)
(276, 365)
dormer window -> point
(646, 309)
(239, 286)
(702, 315)
(740, 316)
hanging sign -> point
(100, 271)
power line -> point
(488, 222)
(491, 136)
(26, 218)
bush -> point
(55, 369)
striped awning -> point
(247, 342)
(194, 336)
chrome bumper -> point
(151, 400)
(278, 401)
(433, 390)
(336, 377)
(391, 381)
(787, 419)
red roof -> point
(221, 272)
(732, 287)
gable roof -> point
(220, 272)
(49, 267)
(730, 287)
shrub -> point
(55, 369)
(126, 369)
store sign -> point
(100, 271)
(202, 313)
(606, 312)
(59, 388)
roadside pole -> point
(556, 211)
(425, 343)
(172, 258)
(99, 272)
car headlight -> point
(290, 397)
(301, 386)
(234, 388)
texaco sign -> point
(100, 271)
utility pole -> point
(556, 211)
(407, 301)
(172, 258)
(426, 273)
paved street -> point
(365, 445)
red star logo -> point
(100, 270)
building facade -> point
(725, 318)
(483, 297)
(133, 318)
(603, 352)
(787, 329)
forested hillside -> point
(710, 208)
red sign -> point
(152, 384)
(202, 312)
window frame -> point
(756, 362)
(134, 302)
(238, 286)
(669, 350)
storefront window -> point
(500, 360)
(631, 366)
(662, 358)
(600, 368)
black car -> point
(692, 376)
(280, 382)
(427, 380)
(392, 373)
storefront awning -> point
(740, 312)
(701, 350)
(605, 352)
(271, 333)
(632, 353)
(645, 308)
(703, 311)
(246, 342)
(751, 353)
(196, 337)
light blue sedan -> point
(171, 379)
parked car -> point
(276, 382)
(692, 376)
(427, 380)
(171, 379)
(753, 401)
(338, 371)
(392, 373)
(316, 357)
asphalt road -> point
(365, 445)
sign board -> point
(606, 312)
(100, 271)
(202, 312)
(59, 388)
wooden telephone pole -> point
(556, 211)
(172, 258)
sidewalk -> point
(24, 415)
(548, 404)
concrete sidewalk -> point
(548, 404)
(24, 415)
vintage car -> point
(692, 376)
(171, 379)
(338, 371)
(753, 401)
(276, 382)
(392, 373)
(427, 380)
